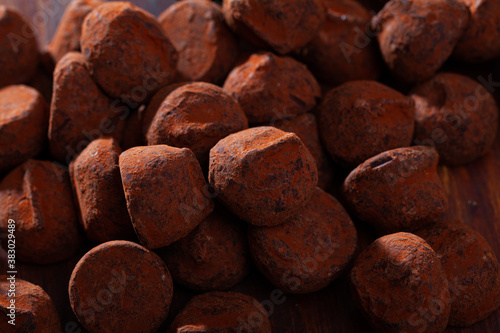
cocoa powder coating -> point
(262, 174)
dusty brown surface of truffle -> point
(214, 256)
(417, 36)
(285, 25)
(120, 286)
(269, 87)
(19, 54)
(37, 195)
(80, 112)
(34, 309)
(457, 115)
(24, 119)
(309, 250)
(223, 312)
(398, 190)
(207, 49)
(99, 194)
(361, 119)
(471, 267)
(400, 285)
(343, 50)
(196, 116)
(129, 56)
(262, 174)
(166, 193)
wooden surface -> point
(474, 197)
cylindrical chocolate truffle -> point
(18, 48)
(129, 56)
(262, 174)
(309, 250)
(417, 36)
(32, 310)
(222, 312)
(207, 49)
(95, 175)
(37, 196)
(214, 256)
(398, 190)
(361, 119)
(120, 286)
(400, 285)
(471, 267)
(166, 193)
(24, 119)
(196, 116)
(457, 115)
(269, 87)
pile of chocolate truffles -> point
(188, 149)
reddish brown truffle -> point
(306, 128)
(309, 250)
(207, 49)
(67, 36)
(33, 310)
(18, 48)
(24, 118)
(343, 50)
(262, 174)
(120, 286)
(269, 87)
(37, 196)
(285, 25)
(481, 39)
(417, 36)
(99, 194)
(222, 312)
(400, 285)
(214, 256)
(361, 119)
(457, 115)
(196, 116)
(471, 267)
(129, 56)
(166, 192)
(80, 112)
(398, 190)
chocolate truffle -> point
(80, 112)
(166, 193)
(196, 116)
(398, 190)
(18, 48)
(361, 119)
(33, 310)
(457, 115)
(343, 49)
(471, 267)
(214, 256)
(24, 118)
(309, 250)
(400, 285)
(417, 36)
(129, 56)
(120, 286)
(222, 312)
(37, 195)
(207, 48)
(269, 87)
(262, 174)
(285, 25)
(99, 194)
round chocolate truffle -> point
(262, 174)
